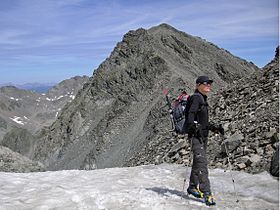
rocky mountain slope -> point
(11, 161)
(31, 110)
(121, 109)
(22, 113)
(248, 109)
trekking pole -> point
(190, 158)
(230, 168)
(165, 92)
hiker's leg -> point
(200, 169)
(194, 181)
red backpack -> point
(179, 108)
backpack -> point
(180, 108)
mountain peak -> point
(165, 26)
(120, 109)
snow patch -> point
(59, 97)
(17, 120)
(141, 188)
(55, 98)
(12, 98)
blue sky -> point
(52, 40)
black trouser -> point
(199, 173)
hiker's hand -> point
(218, 129)
(191, 130)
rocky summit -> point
(120, 115)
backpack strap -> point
(200, 105)
(202, 98)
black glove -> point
(191, 129)
(217, 129)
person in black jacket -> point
(198, 128)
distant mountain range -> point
(32, 110)
(36, 87)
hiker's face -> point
(204, 88)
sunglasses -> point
(206, 83)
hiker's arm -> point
(194, 107)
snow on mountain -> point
(17, 120)
(16, 105)
(151, 187)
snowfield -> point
(151, 187)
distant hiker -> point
(198, 127)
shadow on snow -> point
(166, 192)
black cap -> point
(202, 79)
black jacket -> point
(198, 111)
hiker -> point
(198, 127)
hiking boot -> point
(209, 199)
(195, 192)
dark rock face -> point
(121, 110)
(248, 110)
